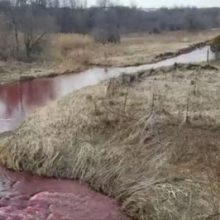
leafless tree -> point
(6, 46)
(78, 4)
(74, 3)
(35, 25)
(103, 3)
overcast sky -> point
(167, 3)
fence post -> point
(208, 56)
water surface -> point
(27, 197)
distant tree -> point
(41, 3)
(106, 36)
(32, 20)
(53, 4)
(35, 24)
(74, 3)
(6, 42)
(215, 45)
(9, 9)
(103, 3)
(83, 4)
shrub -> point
(155, 30)
(106, 36)
(64, 44)
(215, 44)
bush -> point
(71, 49)
(67, 43)
(155, 30)
(215, 45)
(106, 36)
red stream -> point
(27, 197)
(18, 100)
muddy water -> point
(23, 196)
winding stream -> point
(20, 99)
(23, 196)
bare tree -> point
(103, 3)
(35, 25)
(74, 3)
(84, 4)
(53, 4)
(32, 20)
(77, 4)
(9, 9)
(13, 11)
(6, 46)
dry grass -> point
(63, 45)
(70, 49)
(150, 141)
(142, 48)
(74, 53)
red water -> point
(18, 100)
(27, 197)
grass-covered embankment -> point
(150, 140)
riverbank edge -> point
(157, 58)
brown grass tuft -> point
(70, 50)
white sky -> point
(167, 3)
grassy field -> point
(67, 53)
(150, 140)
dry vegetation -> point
(150, 140)
(67, 53)
(133, 50)
(70, 48)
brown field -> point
(67, 53)
(150, 140)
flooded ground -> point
(20, 99)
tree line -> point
(32, 20)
